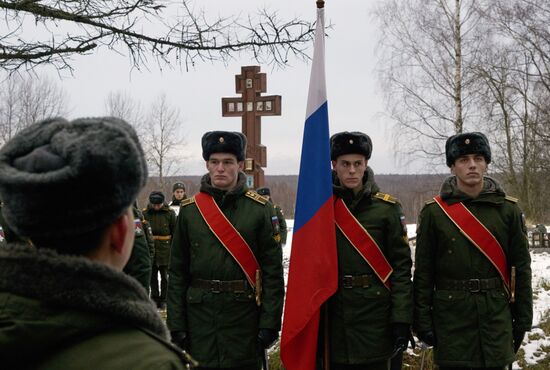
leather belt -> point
(471, 285)
(350, 281)
(162, 237)
(218, 286)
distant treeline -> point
(411, 190)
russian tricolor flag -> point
(313, 272)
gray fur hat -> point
(350, 143)
(61, 178)
(467, 143)
(224, 142)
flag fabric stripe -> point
(313, 271)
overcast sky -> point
(355, 103)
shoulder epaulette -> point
(187, 202)
(255, 196)
(144, 209)
(429, 201)
(511, 199)
(386, 197)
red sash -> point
(361, 240)
(228, 236)
(478, 234)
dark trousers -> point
(471, 368)
(155, 296)
(380, 365)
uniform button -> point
(453, 239)
(450, 251)
(450, 297)
(378, 292)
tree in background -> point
(162, 139)
(27, 99)
(427, 51)
(52, 32)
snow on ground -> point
(540, 265)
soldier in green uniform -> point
(140, 263)
(64, 301)
(213, 311)
(178, 195)
(369, 319)
(162, 220)
(473, 298)
(280, 215)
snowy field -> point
(536, 343)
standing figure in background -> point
(371, 312)
(226, 287)
(162, 220)
(472, 279)
(178, 195)
(140, 263)
(279, 212)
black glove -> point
(266, 337)
(427, 337)
(179, 338)
(518, 338)
(401, 336)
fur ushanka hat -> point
(65, 178)
(350, 143)
(224, 142)
(467, 143)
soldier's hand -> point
(179, 338)
(401, 335)
(427, 337)
(518, 338)
(266, 338)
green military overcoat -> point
(283, 231)
(68, 312)
(223, 327)
(472, 329)
(361, 317)
(163, 224)
(139, 265)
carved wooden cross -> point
(251, 106)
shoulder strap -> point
(228, 236)
(478, 234)
(187, 202)
(255, 196)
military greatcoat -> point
(472, 328)
(223, 326)
(162, 223)
(361, 316)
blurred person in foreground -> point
(64, 301)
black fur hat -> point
(467, 143)
(224, 142)
(62, 178)
(350, 143)
(156, 197)
(263, 191)
(178, 185)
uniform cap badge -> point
(351, 141)
(221, 139)
(467, 141)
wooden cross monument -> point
(251, 106)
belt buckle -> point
(474, 285)
(215, 286)
(347, 281)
